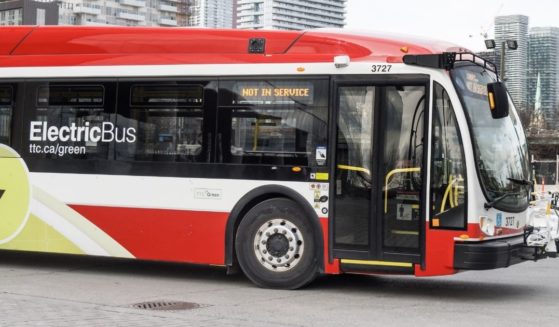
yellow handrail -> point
(355, 168)
(456, 188)
(387, 179)
(450, 194)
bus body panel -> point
(183, 218)
(62, 46)
(172, 219)
(439, 243)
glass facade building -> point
(543, 63)
(514, 27)
(125, 12)
(212, 13)
(290, 14)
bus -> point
(284, 154)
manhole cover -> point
(166, 305)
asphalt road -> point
(49, 290)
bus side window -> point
(273, 122)
(6, 113)
(167, 118)
(448, 170)
(70, 120)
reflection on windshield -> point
(500, 145)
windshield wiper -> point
(521, 181)
(491, 204)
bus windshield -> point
(500, 147)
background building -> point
(514, 27)
(125, 12)
(27, 12)
(543, 64)
(235, 13)
(290, 14)
(536, 58)
(532, 73)
(212, 13)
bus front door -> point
(378, 177)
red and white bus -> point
(287, 154)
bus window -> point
(274, 122)
(168, 119)
(71, 120)
(448, 170)
(6, 105)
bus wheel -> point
(275, 245)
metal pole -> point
(557, 171)
(503, 44)
(533, 169)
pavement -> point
(53, 290)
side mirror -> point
(498, 100)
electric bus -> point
(283, 154)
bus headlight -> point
(487, 226)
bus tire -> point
(275, 245)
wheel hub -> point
(278, 245)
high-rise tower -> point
(290, 14)
(543, 64)
(212, 13)
(124, 12)
(514, 27)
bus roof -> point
(77, 45)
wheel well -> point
(256, 196)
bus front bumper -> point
(493, 254)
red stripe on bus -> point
(329, 267)
(439, 247)
(166, 235)
(439, 252)
(173, 235)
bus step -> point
(373, 267)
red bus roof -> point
(77, 45)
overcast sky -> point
(460, 22)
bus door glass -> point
(378, 182)
(402, 113)
(353, 178)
